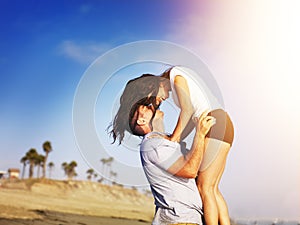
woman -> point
(189, 96)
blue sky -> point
(251, 46)
(39, 42)
(45, 49)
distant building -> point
(2, 173)
(13, 173)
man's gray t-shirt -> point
(177, 199)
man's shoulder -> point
(155, 140)
(153, 135)
(157, 137)
(151, 140)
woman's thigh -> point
(214, 160)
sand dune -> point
(37, 199)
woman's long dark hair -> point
(138, 91)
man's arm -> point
(187, 166)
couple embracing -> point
(184, 183)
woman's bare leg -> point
(224, 218)
(213, 202)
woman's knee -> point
(217, 191)
(205, 187)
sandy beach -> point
(45, 202)
(56, 218)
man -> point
(170, 171)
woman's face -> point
(163, 92)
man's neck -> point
(158, 125)
(158, 128)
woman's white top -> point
(201, 96)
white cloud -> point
(82, 52)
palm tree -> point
(113, 176)
(47, 148)
(39, 162)
(103, 160)
(69, 169)
(109, 162)
(24, 162)
(100, 180)
(50, 166)
(31, 156)
(64, 166)
(72, 166)
(75, 175)
(106, 165)
(95, 175)
(90, 173)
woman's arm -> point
(186, 108)
(187, 130)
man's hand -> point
(204, 123)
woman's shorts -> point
(223, 129)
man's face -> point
(145, 115)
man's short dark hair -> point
(133, 117)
